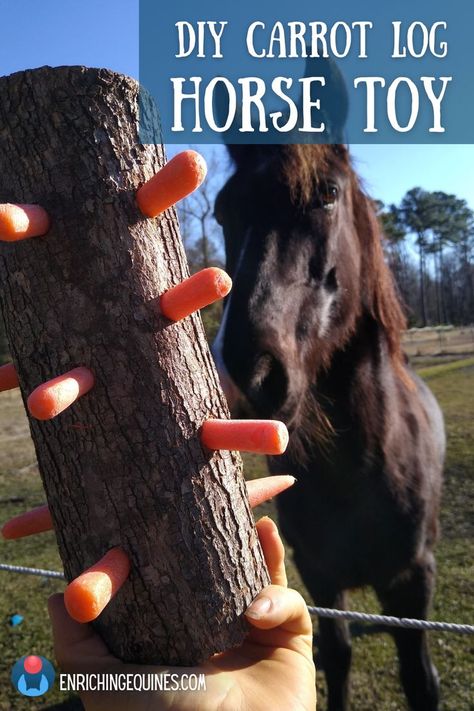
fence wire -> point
(328, 612)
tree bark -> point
(124, 465)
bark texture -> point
(124, 465)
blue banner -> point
(308, 72)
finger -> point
(261, 490)
(273, 550)
(283, 608)
(75, 645)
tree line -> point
(430, 247)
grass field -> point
(374, 680)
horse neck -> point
(360, 383)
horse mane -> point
(302, 166)
(380, 293)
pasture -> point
(374, 678)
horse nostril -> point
(330, 282)
(269, 384)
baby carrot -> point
(49, 399)
(8, 377)
(194, 293)
(179, 177)
(21, 221)
(26, 524)
(259, 436)
(90, 592)
(261, 490)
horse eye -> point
(329, 194)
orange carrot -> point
(26, 524)
(261, 490)
(54, 396)
(194, 293)
(90, 592)
(21, 221)
(259, 436)
(179, 177)
(8, 377)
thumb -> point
(283, 614)
(76, 646)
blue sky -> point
(105, 33)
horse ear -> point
(334, 110)
(334, 96)
(342, 151)
(243, 155)
(221, 111)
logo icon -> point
(33, 675)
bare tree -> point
(202, 236)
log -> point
(123, 466)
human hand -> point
(272, 669)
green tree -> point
(201, 234)
(398, 256)
(391, 220)
(417, 213)
(465, 252)
(450, 221)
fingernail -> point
(259, 608)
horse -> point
(311, 335)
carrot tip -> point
(56, 395)
(88, 595)
(28, 523)
(18, 222)
(177, 179)
(281, 437)
(261, 490)
(259, 436)
(8, 377)
(194, 293)
(223, 283)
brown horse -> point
(311, 336)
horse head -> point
(304, 251)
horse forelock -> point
(302, 167)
